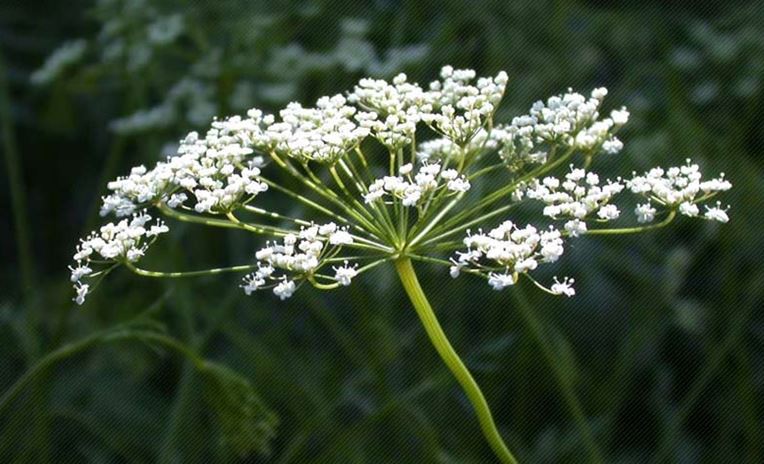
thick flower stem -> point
(446, 351)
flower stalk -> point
(452, 360)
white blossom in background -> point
(134, 36)
(357, 210)
(66, 55)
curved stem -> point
(203, 272)
(206, 220)
(633, 230)
(485, 170)
(74, 348)
(321, 286)
(274, 215)
(446, 351)
(18, 208)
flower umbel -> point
(371, 193)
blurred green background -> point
(659, 358)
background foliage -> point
(659, 358)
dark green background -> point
(662, 349)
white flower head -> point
(608, 212)
(563, 287)
(345, 273)
(82, 291)
(645, 212)
(284, 289)
(500, 281)
(577, 196)
(252, 282)
(340, 237)
(516, 250)
(716, 213)
(689, 209)
(679, 187)
(441, 144)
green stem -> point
(16, 184)
(206, 220)
(27, 281)
(633, 230)
(465, 226)
(204, 272)
(380, 213)
(306, 201)
(485, 170)
(446, 351)
(325, 192)
(511, 187)
(434, 222)
(74, 348)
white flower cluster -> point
(57, 62)
(576, 197)
(510, 251)
(113, 242)
(207, 168)
(299, 254)
(452, 106)
(353, 53)
(442, 149)
(460, 108)
(412, 191)
(393, 110)
(220, 172)
(569, 120)
(157, 117)
(680, 187)
(322, 134)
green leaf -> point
(247, 425)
